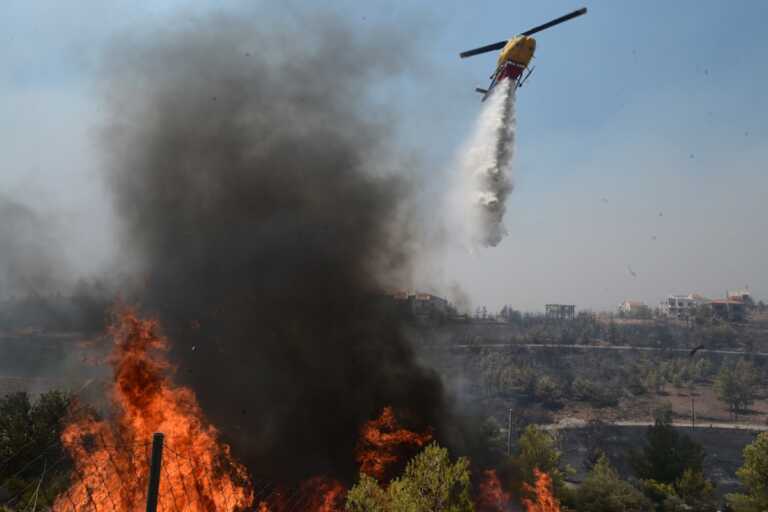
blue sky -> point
(642, 120)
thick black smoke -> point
(246, 166)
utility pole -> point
(692, 388)
(154, 471)
(509, 433)
(693, 414)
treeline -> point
(587, 328)
(667, 476)
(554, 378)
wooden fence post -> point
(154, 471)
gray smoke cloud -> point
(250, 172)
(31, 256)
(37, 294)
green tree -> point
(692, 491)
(430, 483)
(678, 378)
(754, 477)
(665, 371)
(613, 333)
(603, 491)
(596, 394)
(666, 454)
(735, 385)
(662, 495)
(703, 368)
(492, 436)
(696, 491)
(675, 503)
(367, 496)
(30, 442)
(720, 336)
(537, 449)
(654, 381)
(635, 383)
(547, 391)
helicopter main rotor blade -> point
(556, 21)
(483, 49)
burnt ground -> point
(474, 358)
(708, 408)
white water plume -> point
(484, 168)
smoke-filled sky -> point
(641, 142)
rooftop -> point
(727, 301)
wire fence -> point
(113, 486)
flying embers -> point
(516, 54)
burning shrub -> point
(110, 456)
(537, 453)
(542, 499)
(491, 496)
(383, 443)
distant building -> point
(423, 306)
(681, 306)
(634, 308)
(560, 311)
(399, 295)
(742, 295)
(728, 309)
(428, 305)
(733, 308)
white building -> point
(421, 305)
(634, 308)
(682, 306)
(742, 295)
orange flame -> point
(316, 494)
(492, 497)
(382, 443)
(542, 492)
(199, 473)
(324, 495)
(111, 458)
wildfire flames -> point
(199, 474)
(382, 443)
(492, 497)
(544, 500)
(111, 458)
(324, 495)
(318, 494)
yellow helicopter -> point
(516, 54)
